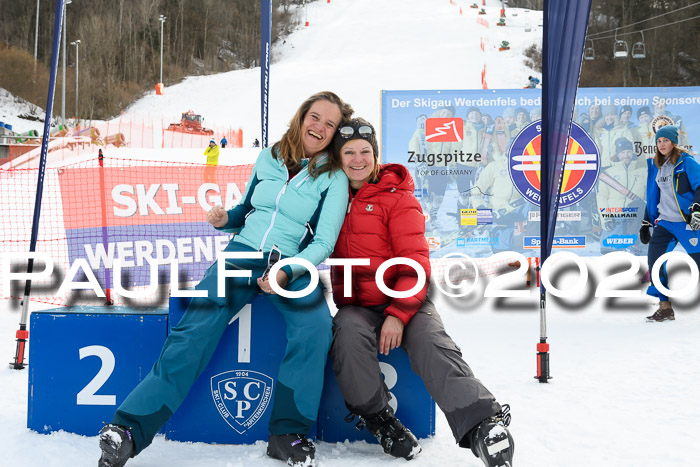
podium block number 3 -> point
(390, 379)
(87, 395)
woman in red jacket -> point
(384, 220)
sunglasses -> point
(274, 256)
(348, 132)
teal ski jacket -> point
(302, 216)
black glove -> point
(644, 233)
(695, 216)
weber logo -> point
(241, 397)
(444, 130)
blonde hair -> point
(290, 149)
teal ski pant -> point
(191, 344)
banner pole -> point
(265, 40)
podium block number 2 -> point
(87, 395)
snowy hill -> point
(357, 49)
(622, 389)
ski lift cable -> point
(644, 20)
(642, 30)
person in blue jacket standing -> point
(673, 209)
(294, 203)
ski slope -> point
(624, 391)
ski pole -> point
(22, 334)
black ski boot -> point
(116, 445)
(296, 450)
(664, 313)
(395, 438)
(491, 441)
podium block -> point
(84, 361)
(231, 401)
(410, 400)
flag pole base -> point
(22, 336)
(543, 362)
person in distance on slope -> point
(384, 219)
(297, 179)
(532, 82)
(672, 210)
(212, 153)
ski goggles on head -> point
(364, 131)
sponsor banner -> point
(562, 216)
(151, 212)
(493, 164)
(193, 245)
(476, 241)
(620, 212)
(619, 241)
(442, 130)
(476, 217)
(433, 243)
(147, 195)
(574, 241)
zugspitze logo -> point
(580, 170)
(444, 130)
(241, 397)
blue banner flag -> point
(565, 24)
(265, 41)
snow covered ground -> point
(624, 392)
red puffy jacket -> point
(384, 221)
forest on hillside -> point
(119, 48)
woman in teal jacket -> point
(673, 209)
(294, 202)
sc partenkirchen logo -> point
(241, 397)
(580, 172)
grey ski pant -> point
(434, 357)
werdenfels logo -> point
(580, 169)
(444, 130)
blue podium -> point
(410, 400)
(84, 361)
(231, 401)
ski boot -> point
(396, 439)
(491, 441)
(116, 445)
(297, 450)
(664, 313)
